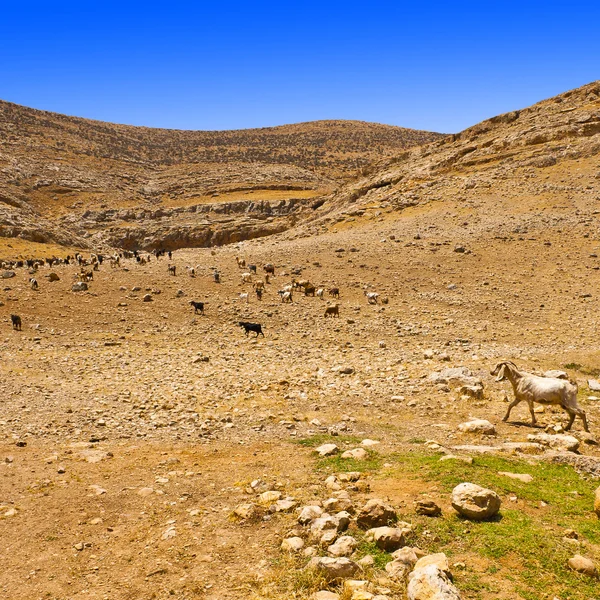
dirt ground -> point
(129, 430)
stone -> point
(556, 374)
(53, 277)
(478, 426)
(327, 450)
(465, 459)
(269, 497)
(407, 555)
(474, 502)
(323, 523)
(524, 477)
(325, 595)
(440, 560)
(375, 513)
(428, 508)
(594, 385)
(145, 492)
(308, 514)
(398, 570)
(369, 443)
(388, 538)
(293, 544)
(334, 568)
(356, 454)
(147, 298)
(557, 442)
(472, 391)
(344, 546)
(430, 583)
(597, 503)
(455, 377)
(8, 274)
(245, 511)
(349, 476)
(79, 286)
(285, 505)
(583, 565)
(338, 504)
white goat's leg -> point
(510, 407)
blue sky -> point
(441, 66)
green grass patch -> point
(591, 371)
(337, 464)
(524, 546)
(314, 441)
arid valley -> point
(148, 450)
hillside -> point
(53, 166)
(532, 157)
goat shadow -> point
(524, 424)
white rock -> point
(293, 544)
(344, 546)
(356, 454)
(475, 502)
(430, 583)
(478, 426)
(327, 450)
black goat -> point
(17, 324)
(198, 307)
(252, 327)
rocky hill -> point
(538, 155)
(54, 166)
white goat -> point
(244, 297)
(543, 390)
(319, 293)
(371, 297)
(286, 297)
(247, 277)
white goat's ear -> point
(501, 373)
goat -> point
(309, 290)
(256, 327)
(543, 390)
(335, 292)
(319, 293)
(244, 297)
(269, 268)
(16, 322)
(252, 268)
(241, 263)
(259, 285)
(172, 269)
(371, 297)
(333, 311)
(259, 293)
(246, 277)
(216, 277)
(198, 307)
(191, 271)
(34, 284)
(286, 296)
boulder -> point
(308, 514)
(557, 441)
(428, 508)
(356, 454)
(583, 565)
(594, 385)
(79, 286)
(398, 570)
(375, 513)
(408, 555)
(440, 560)
(388, 538)
(334, 568)
(327, 450)
(431, 583)
(474, 502)
(478, 426)
(293, 544)
(325, 595)
(344, 546)
(8, 274)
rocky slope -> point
(538, 154)
(54, 166)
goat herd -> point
(549, 390)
